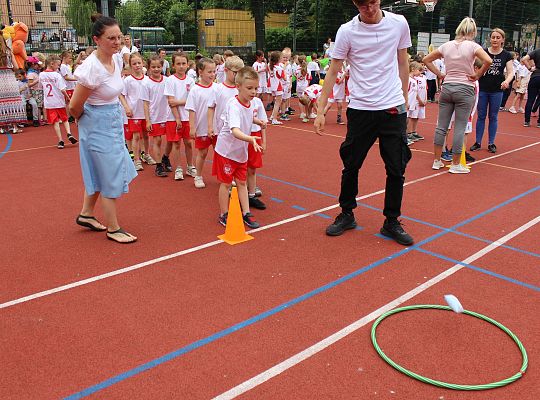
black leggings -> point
(533, 90)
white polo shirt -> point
(53, 84)
(222, 95)
(153, 93)
(236, 115)
(179, 89)
(198, 100)
(371, 52)
(133, 88)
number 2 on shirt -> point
(49, 86)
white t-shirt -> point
(338, 90)
(192, 74)
(260, 68)
(259, 112)
(153, 93)
(220, 73)
(302, 80)
(313, 66)
(106, 86)
(223, 94)
(412, 91)
(371, 52)
(236, 115)
(422, 87)
(179, 89)
(166, 66)
(133, 88)
(439, 63)
(66, 72)
(53, 84)
(198, 100)
(125, 50)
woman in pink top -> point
(458, 90)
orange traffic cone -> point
(234, 231)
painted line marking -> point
(298, 208)
(8, 145)
(498, 133)
(479, 269)
(330, 340)
(32, 148)
(513, 168)
(209, 339)
(325, 216)
(276, 200)
(379, 235)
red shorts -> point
(158, 129)
(127, 134)
(56, 115)
(173, 134)
(136, 126)
(70, 92)
(204, 142)
(254, 157)
(225, 170)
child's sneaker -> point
(437, 164)
(458, 169)
(258, 191)
(312, 116)
(475, 146)
(178, 174)
(132, 156)
(72, 139)
(410, 138)
(276, 122)
(526, 124)
(199, 182)
(35, 123)
(147, 158)
(256, 203)
(446, 156)
(138, 165)
(417, 136)
(409, 141)
(166, 163)
(469, 158)
(223, 219)
(512, 110)
(305, 120)
(284, 117)
(292, 110)
(160, 171)
(302, 115)
(522, 110)
(340, 121)
(249, 221)
(191, 171)
(60, 144)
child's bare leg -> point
(223, 197)
(135, 146)
(339, 108)
(176, 150)
(56, 127)
(199, 162)
(129, 144)
(146, 142)
(168, 149)
(67, 127)
(243, 196)
(277, 105)
(188, 149)
(414, 124)
(156, 140)
(251, 180)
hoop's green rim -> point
(446, 385)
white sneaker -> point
(437, 164)
(179, 174)
(302, 116)
(147, 158)
(521, 110)
(191, 171)
(312, 116)
(258, 191)
(458, 169)
(199, 183)
(276, 122)
(138, 165)
(512, 110)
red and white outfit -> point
(412, 92)
(260, 68)
(67, 72)
(287, 81)
(159, 107)
(275, 78)
(302, 81)
(338, 91)
(53, 98)
(178, 88)
(231, 154)
(421, 86)
(198, 100)
(255, 157)
(223, 94)
(220, 73)
(313, 92)
(133, 89)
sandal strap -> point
(84, 216)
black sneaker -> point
(526, 124)
(160, 171)
(60, 144)
(71, 119)
(269, 106)
(475, 147)
(72, 139)
(249, 221)
(393, 229)
(340, 120)
(35, 123)
(469, 158)
(342, 223)
(166, 163)
(223, 219)
(492, 148)
(417, 136)
(132, 156)
(256, 203)
(538, 125)
(291, 109)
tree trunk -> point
(257, 10)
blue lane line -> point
(209, 339)
(325, 216)
(482, 270)
(298, 208)
(8, 145)
(276, 200)
(383, 237)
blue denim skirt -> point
(105, 162)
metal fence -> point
(303, 25)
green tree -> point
(129, 14)
(78, 13)
(181, 11)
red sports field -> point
(181, 315)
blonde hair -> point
(414, 66)
(246, 73)
(218, 59)
(51, 59)
(466, 29)
(234, 62)
(498, 30)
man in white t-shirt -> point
(127, 49)
(375, 46)
(162, 53)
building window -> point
(53, 7)
(41, 23)
(38, 6)
(56, 23)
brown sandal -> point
(88, 224)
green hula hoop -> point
(434, 382)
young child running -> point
(55, 98)
(276, 74)
(177, 88)
(416, 104)
(338, 95)
(156, 108)
(231, 152)
(132, 94)
(309, 99)
(302, 82)
(255, 157)
(197, 106)
(66, 71)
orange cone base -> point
(236, 240)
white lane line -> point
(215, 242)
(498, 133)
(330, 340)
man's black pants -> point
(363, 128)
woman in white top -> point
(105, 163)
